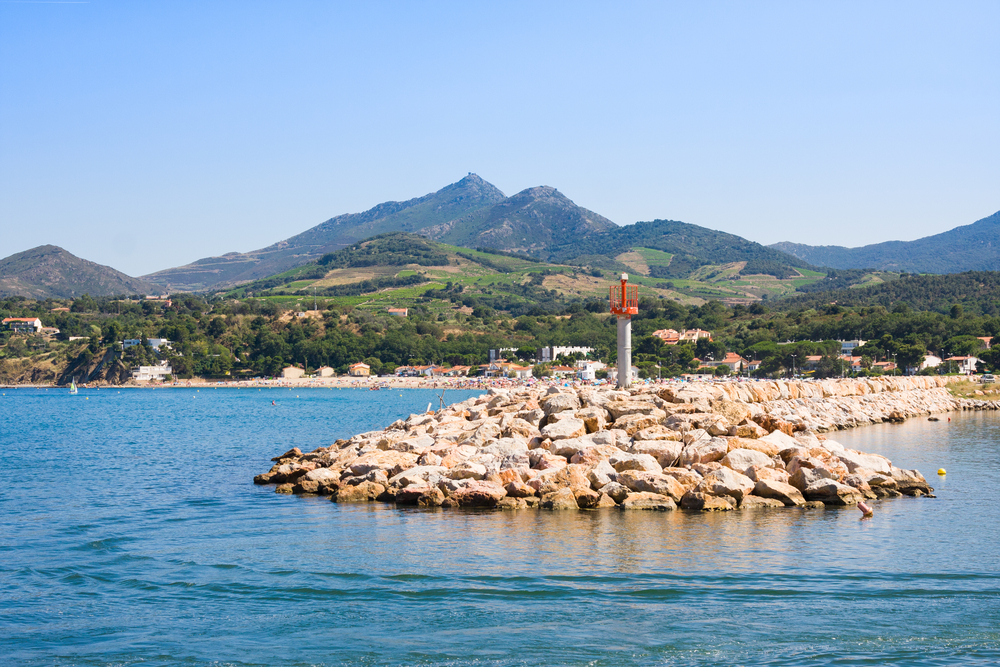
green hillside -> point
(967, 248)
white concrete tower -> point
(624, 304)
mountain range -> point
(471, 213)
(540, 222)
(50, 271)
(974, 247)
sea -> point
(131, 534)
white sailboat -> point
(72, 386)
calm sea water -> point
(130, 533)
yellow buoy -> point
(942, 471)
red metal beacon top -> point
(624, 298)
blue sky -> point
(149, 134)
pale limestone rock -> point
(774, 474)
(419, 475)
(762, 446)
(560, 403)
(563, 499)
(734, 412)
(704, 451)
(804, 477)
(831, 492)
(666, 452)
(606, 501)
(786, 493)
(695, 437)
(567, 428)
(601, 475)
(726, 482)
(651, 482)
(756, 502)
(780, 440)
(468, 470)
(624, 461)
(392, 462)
(658, 432)
(618, 492)
(697, 500)
(688, 478)
(632, 423)
(594, 418)
(648, 501)
(741, 460)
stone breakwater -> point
(710, 446)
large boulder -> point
(623, 461)
(468, 470)
(615, 491)
(726, 482)
(601, 475)
(697, 500)
(658, 432)
(687, 477)
(563, 499)
(648, 501)
(651, 482)
(832, 492)
(786, 493)
(763, 446)
(803, 478)
(632, 423)
(479, 494)
(419, 475)
(854, 460)
(560, 403)
(741, 460)
(734, 412)
(594, 418)
(563, 429)
(702, 451)
(622, 408)
(666, 452)
(756, 502)
(391, 462)
(910, 482)
(364, 492)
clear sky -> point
(149, 134)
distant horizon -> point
(145, 136)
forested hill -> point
(974, 247)
(691, 246)
(976, 292)
(49, 271)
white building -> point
(931, 361)
(965, 365)
(846, 346)
(587, 370)
(148, 373)
(501, 353)
(155, 343)
(551, 353)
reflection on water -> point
(130, 532)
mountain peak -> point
(50, 271)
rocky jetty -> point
(700, 446)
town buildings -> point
(23, 324)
